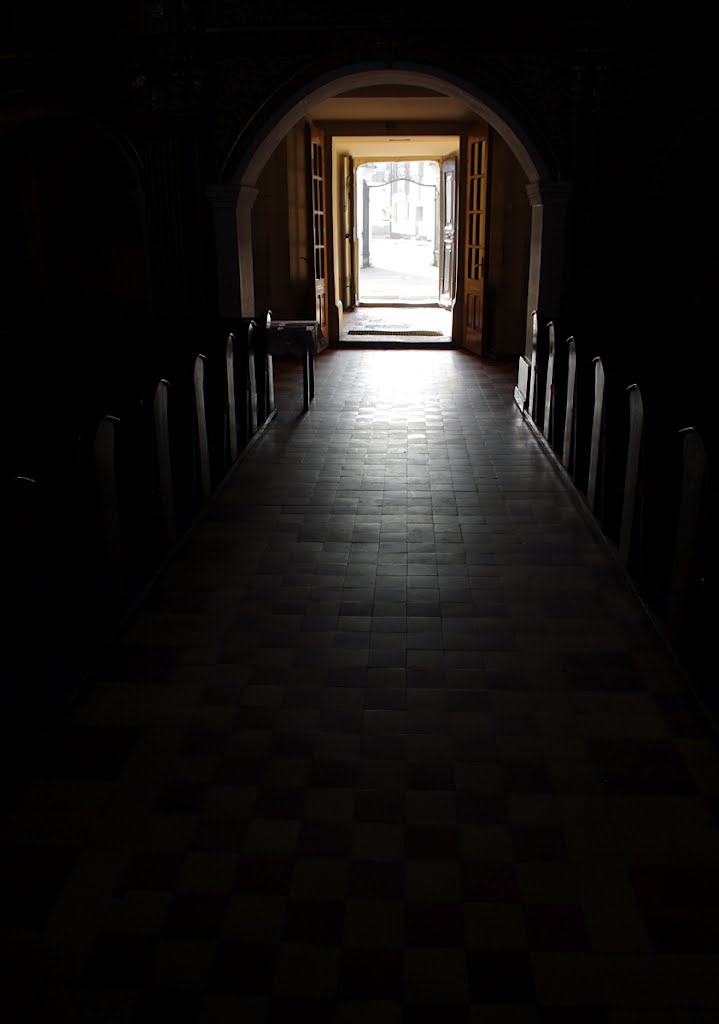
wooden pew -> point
(164, 490)
(570, 410)
(631, 476)
(201, 460)
(595, 445)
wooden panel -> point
(349, 279)
(251, 383)
(231, 450)
(448, 257)
(631, 476)
(548, 418)
(597, 433)
(202, 450)
(537, 376)
(318, 208)
(570, 411)
(475, 230)
(163, 466)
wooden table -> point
(296, 338)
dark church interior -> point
(357, 677)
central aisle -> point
(390, 741)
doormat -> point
(404, 334)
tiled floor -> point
(390, 742)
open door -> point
(318, 234)
(349, 274)
(448, 233)
(475, 230)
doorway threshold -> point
(401, 324)
(398, 303)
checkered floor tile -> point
(389, 742)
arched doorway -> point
(233, 200)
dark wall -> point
(72, 202)
(508, 253)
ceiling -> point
(379, 147)
(392, 103)
(396, 109)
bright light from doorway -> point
(398, 230)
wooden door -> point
(318, 234)
(349, 278)
(448, 233)
(475, 231)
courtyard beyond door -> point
(401, 271)
(397, 218)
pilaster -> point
(232, 214)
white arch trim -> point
(526, 154)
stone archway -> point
(233, 199)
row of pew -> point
(648, 492)
(114, 471)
